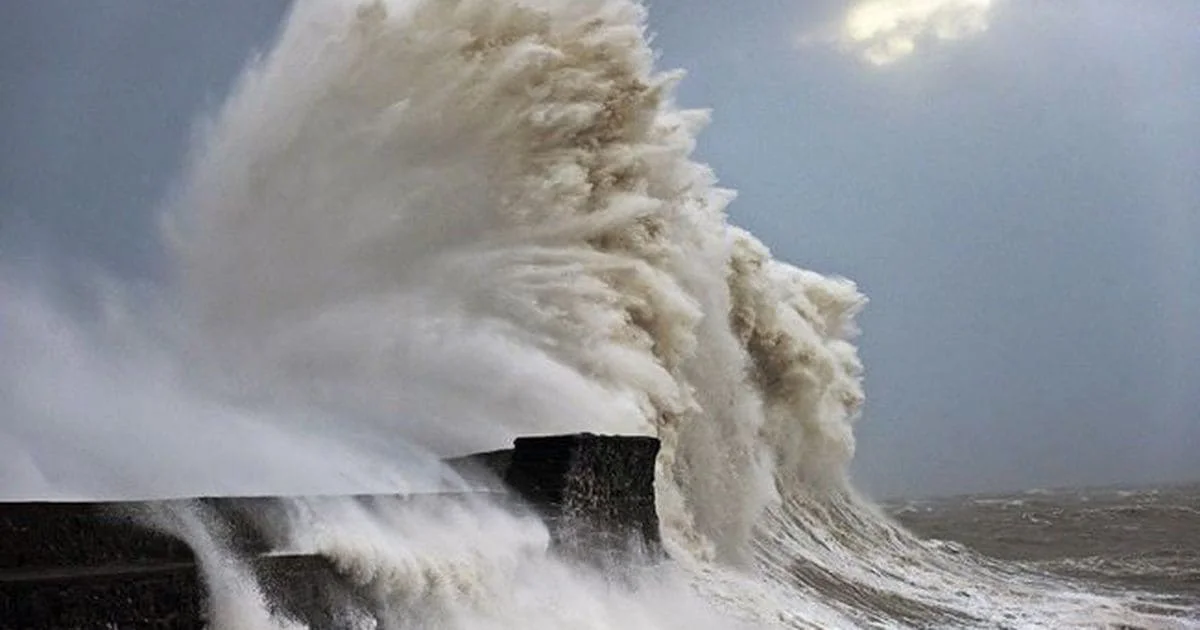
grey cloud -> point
(1003, 202)
(881, 32)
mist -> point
(115, 408)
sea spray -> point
(580, 270)
(109, 406)
(434, 561)
(234, 599)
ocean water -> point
(1141, 539)
(417, 229)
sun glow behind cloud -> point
(884, 31)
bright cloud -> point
(884, 31)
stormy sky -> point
(1015, 185)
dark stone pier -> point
(96, 565)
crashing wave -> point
(458, 221)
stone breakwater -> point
(95, 565)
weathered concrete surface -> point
(166, 595)
(484, 470)
(80, 565)
(166, 598)
(596, 493)
(92, 565)
(64, 535)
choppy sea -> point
(1144, 540)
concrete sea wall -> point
(95, 565)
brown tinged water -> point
(1128, 540)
